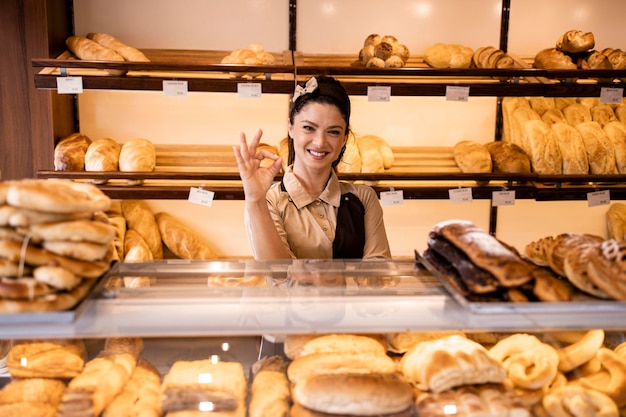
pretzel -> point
(56, 196)
(530, 363)
(576, 401)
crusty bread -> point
(552, 58)
(575, 41)
(616, 132)
(137, 155)
(509, 105)
(576, 114)
(572, 149)
(542, 104)
(603, 114)
(182, 240)
(616, 221)
(443, 55)
(509, 158)
(371, 158)
(472, 156)
(32, 391)
(351, 158)
(102, 155)
(521, 115)
(129, 53)
(552, 116)
(69, 153)
(140, 217)
(89, 50)
(599, 148)
(543, 148)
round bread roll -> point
(375, 62)
(402, 51)
(471, 156)
(366, 53)
(394, 61)
(355, 394)
(383, 50)
(390, 39)
(373, 40)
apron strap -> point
(350, 233)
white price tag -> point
(611, 95)
(456, 93)
(392, 198)
(249, 90)
(502, 198)
(598, 198)
(69, 85)
(378, 93)
(173, 88)
(201, 196)
(460, 195)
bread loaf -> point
(89, 50)
(471, 156)
(616, 132)
(136, 250)
(572, 149)
(543, 148)
(552, 116)
(509, 105)
(336, 362)
(32, 391)
(563, 102)
(69, 153)
(521, 115)
(542, 104)
(182, 240)
(509, 158)
(603, 114)
(553, 59)
(575, 41)
(351, 158)
(577, 113)
(616, 221)
(371, 158)
(442, 55)
(599, 148)
(137, 155)
(102, 155)
(140, 218)
(127, 52)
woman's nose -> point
(319, 139)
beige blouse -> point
(307, 225)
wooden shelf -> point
(204, 72)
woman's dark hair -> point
(328, 91)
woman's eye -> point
(334, 132)
(307, 128)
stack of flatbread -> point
(55, 241)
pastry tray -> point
(580, 301)
(53, 317)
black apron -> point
(350, 232)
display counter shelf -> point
(246, 298)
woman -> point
(310, 214)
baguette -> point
(182, 240)
(127, 52)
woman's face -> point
(319, 133)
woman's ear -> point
(290, 130)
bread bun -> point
(471, 156)
(373, 40)
(383, 50)
(354, 394)
(575, 41)
(366, 53)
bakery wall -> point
(337, 26)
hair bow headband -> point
(309, 87)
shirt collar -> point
(301, 198)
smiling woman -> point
(310, 213)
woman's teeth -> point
(317, 154)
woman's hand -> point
(256, 179)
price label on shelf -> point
(460, 195)
(503, 198)
(201, 196)
(378, 93)
(249, 90)
(174, 88)
(69, 85)
(598, 198)
(392, 198)
(611, 95)
(457, 93)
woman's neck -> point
(313, 182)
